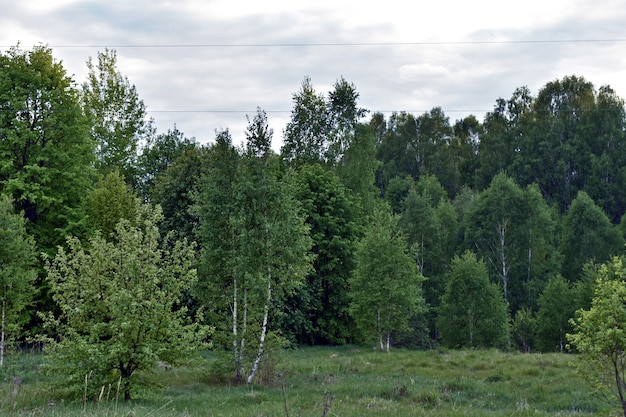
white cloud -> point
(446, 73)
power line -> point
(289, 111)
(335, 44)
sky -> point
(203, 65)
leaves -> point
(120, 304)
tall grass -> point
(344, 381)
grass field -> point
(345, 381)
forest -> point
(123, 246)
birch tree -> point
(256, 246)
(473, 312)
(385, 287)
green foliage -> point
(117, 117)
(473, 312)
(17, 273)
(513, 230)
(120, 306)
(557, 306)
(600, 333)
(176, 191)
(588, 235)
(321, 129)
(524, 330)
(111, 201)
(45, 154)
(319, 311)
(255, 244)
(385, 287)
(159, 153)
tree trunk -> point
(266, 313)
(620, 383)
(503, 262)
(235, 341)
(2, 336)
(380, 332)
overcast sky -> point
(204, 64)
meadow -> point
(332, 381)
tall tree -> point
(120, 306)
(321, 128)
(493, 230)
(505, 131)
(332, 217)
(262, 249)
(608, 153)
(306, 134)
(273, 242)
(117, 116)
(217, 233)
(45, 152)
(18, 270)
(473, 312)
(558, 147)
(385, 286)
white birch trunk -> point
(503, 261)
(242, 341)
(2, 337)
(266, 313)
(235, 342)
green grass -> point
(344, 381)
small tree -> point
(17, 271)
(557, 306)
(600, 333)
(120, 305)
(385, 285)
(473, 312)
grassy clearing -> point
(343, 381)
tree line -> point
(124, 246)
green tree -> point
(255, 244)
(357, 169)
(556, 152)
(273, 243)
(119, 306)
(386, 286)
(332, 217)
(158, 154)
(599, 333)
(524, 329)
(45, 152)
(588, 235)
(321, 128)
(18, 271)
(557, 306)
(607, 153)
(111, 201)
(306, 134)
(473, 312)
(117, 117)
(500, 142)
(493, 227)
